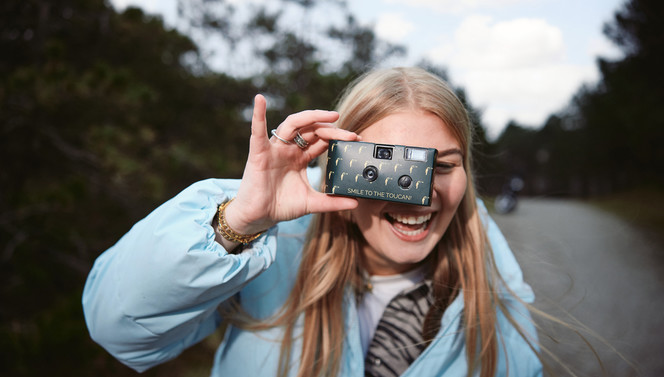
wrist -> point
(231, 228)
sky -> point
(519, 60)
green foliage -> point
(642, 207)
(622, 121)
(101, 118)
(297, 65)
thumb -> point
(321, 202)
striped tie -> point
(398, 341)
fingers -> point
(314, 126)
(296, 122)
(332, 132)
(318, 138)
(258, 119)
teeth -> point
(411, 220)
(411, 232)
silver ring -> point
(299, 140)
(274, 133)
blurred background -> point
(107, 110)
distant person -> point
(507, 199)
(360, 288)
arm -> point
(156, 291)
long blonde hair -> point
(331, 260)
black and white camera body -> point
(396, 173)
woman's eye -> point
(442, 168)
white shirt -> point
(373, 304)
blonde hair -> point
(332, 262)
(331, 259)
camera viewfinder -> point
(416, 154)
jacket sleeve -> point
(156, 291)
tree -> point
(102, 117)
(617, 125)
(622, 120)
(298, 65)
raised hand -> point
(274, 185)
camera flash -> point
(416, 154)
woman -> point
(377, 288)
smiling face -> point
(400, 236)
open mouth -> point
(409, 225)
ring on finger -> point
(299, 140)
(274, 133)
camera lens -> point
(370, 173)
(384, 153)
(405, 181)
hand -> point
(274, 185)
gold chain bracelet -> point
(229, 233)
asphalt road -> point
(603, 271)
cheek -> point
(364, 215)
(451, 188)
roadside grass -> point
(642, 206)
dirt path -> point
(601, 269)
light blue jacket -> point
(157, 290)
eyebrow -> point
(450, 151)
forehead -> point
(415, 128)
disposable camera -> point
(395, 173)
